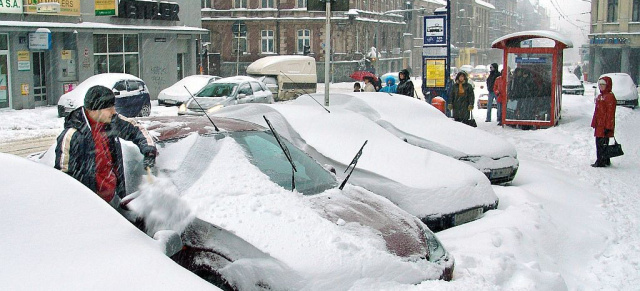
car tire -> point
(145, 110)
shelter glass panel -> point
(530, 87)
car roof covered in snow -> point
(172, 127)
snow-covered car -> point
(623, 87)
(479, 74)
(571, 84)
(132, 94)
(241, 178)
(482, 94)
(226, 92)
(59, 235)
(441, 191)
(423, 125)
(176, 94)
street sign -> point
(320, 5)
(435, 30)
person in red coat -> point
(501, 96)
(604, 120)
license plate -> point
(169, 101)
(501, 173)
(467, 216)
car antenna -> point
(305, 91)
(354, 162)
(205, 112)
(286, 152)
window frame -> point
(239, 4)
(635, 11)
(123, 53)
(267, 3)
(301, 3)
(612, 11)
(269, 38)
(306, 40)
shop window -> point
(239, 3)
(304, 39)
(302, 3)
(612, 11)
(116, 53)
(635, 16)
(267, 41)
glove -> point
(470, 107)
(450, 106)
(149, 160)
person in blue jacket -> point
(391, 85)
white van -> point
(286, 76)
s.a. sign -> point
(11, 6)
(435, 30)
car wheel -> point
(145, 110)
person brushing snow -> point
(604, 120)
(88, 148)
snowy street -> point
(560, 225)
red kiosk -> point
(534, 82)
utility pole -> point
(327, 52)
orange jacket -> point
(498, 88)
(604, 116)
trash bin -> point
(438, 102)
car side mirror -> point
(240, 96)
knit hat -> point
(99, 97)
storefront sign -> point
(3, 88)
(609, 40)
(11, 6)
(106, 7)
(67, 7)
(139, 9)
(40, 41)
(24, 89)
(24, 61)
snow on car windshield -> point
(218, 90)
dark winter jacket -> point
(405, 87)
(461, 103)
(604, 116)
(75, 149)
(492, 77)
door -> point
(245, 89)
(39, 79)
(4, 71)
(258, 93)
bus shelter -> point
(532, 68)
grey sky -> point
(576, 11)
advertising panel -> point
(11, 6)
(435, 76)
(106, 7)
(435, 30)
(53, 7)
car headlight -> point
(183, 108)
(214, 108)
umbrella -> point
(359, 75)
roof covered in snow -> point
(530, 34)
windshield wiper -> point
(353, 163)
(305, 92)
(204, 111)
(286, 152)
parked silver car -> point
(226, 92)
(176, 94)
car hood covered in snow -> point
(422, 182)
(178, 93)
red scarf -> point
(106, 178)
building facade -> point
(243, 31)
(504, 20)
(470, 27)
(48, 48)
(614, 38)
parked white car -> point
(571, 84)
(176, 94)
(441, 191)
(624, 88)
(226, 92)
(132, 94)
(424, 126)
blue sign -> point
(435, 30)
(521, 60)
(40, 41)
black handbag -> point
(613, 150)
(471, 121)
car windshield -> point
(217, 90)
(261, 149)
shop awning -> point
(98, 27)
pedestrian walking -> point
(356, 87)
(391, 85)
(604, 121)
(493, 74)
(88, 149)
(368, 84)
(461, 98)
(405, 87)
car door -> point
(245, 89)
(258, 93)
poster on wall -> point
(106, 7)
(24, 61)
(3, 88)
(66, 7)
(435, 73)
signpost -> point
(436, 54)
